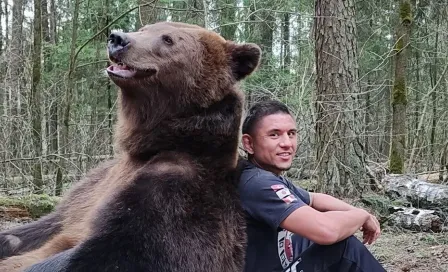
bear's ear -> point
(244, 58)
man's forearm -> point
(324, 203)
(346, 223)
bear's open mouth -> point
(121, 70)
(125, 71)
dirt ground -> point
(398, 251)
(407, 251)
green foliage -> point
(36, 205)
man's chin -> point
(284, 166)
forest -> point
(366, 80)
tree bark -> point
(434, 98)
(68, 98)
(45, 21)
(36, 96)
(397, 153)
(286, 44)
(13, 77)
(53, 20)
(339, 153)
(2, 69)
(386, 142)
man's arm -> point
(324, 203)
(325, 228)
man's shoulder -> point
(252, 175)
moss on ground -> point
(35, 205)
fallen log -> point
(418, 192)
(13, 212)
(415, 219)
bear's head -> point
(182, 65)
(169, 72)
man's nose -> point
(117, 41)
(285, 141)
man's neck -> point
(254, 162)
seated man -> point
(286, 222)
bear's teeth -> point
(122, 66)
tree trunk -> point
(397, 153)
(339, 156)
(35, 97)
(45, 21)
(68, 99)
(2, 15)
(434, 97)
(227, 20)
(286, 44)
(367, 125)
(53, 20)
(266, 35)
(385, 143)
(54, 107)
(416, 137)
(6, 4)
(420, 193)
(15, 63)
(2, 68)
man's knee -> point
(357, 252)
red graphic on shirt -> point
(289, 199)
(277, 187)
(288, 249)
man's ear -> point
(244, 58)
(247, 143)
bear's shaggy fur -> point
(169, 201)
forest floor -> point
(402, 251)
(397, 250)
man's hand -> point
(371, 230)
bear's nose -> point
(116, 42)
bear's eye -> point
(167, 39)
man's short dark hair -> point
(259, 110)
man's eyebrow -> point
(277, 130)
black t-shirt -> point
(267, 200)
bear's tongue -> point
(121, 70)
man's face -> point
(273, 143)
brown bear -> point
(169, 200)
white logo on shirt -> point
(284, 246)
(283, 193)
